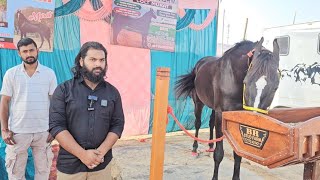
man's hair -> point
(83, 53)
(25, 42)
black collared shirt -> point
(69, 111)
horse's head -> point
(18, 14)
(262, 78)
(152, 13)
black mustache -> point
(97, 68)
(30, 57)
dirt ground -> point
(132, 161)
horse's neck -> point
(23, 18)
(146, 17)
(240, 62)
(21, 23)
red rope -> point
(170, 111)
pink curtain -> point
(129, 70)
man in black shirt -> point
(86, 117)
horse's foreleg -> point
(219, 152)
(41, 40)
(115, 32)
(237, 164)
(198, 106)
(48, 39)
(211, 125)
(144, 41)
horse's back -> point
(203, 61)
(205, 75)
(134, 23)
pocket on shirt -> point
(106, 111)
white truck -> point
(299, 64)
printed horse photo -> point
(301, 73)
(140, 25)
(313, 72)
(245, 77)
(25, 26)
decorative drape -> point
(68, 8)
(186, 19)
(190, 47)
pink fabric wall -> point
(128, 70)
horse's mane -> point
(264, 64)
(240, 46)
(23, 16)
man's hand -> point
(49, 138)
(91, 158)
(7, 136)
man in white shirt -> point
(27, 89)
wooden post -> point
(245, 30)
(311, 171)
(159, 123)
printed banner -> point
(27, 18)
(147, 24)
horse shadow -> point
(25, 26)
(140, 25)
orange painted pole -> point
(159, 123)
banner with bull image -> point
(27, 18)
(147, 24)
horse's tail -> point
(185, 85)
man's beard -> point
(30, 62)
(90, 74)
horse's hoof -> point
(194, 154)
(210, 150)
(142, 140)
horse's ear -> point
(259, 45)
(276, 49)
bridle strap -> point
(249, 108)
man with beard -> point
(27, 89)
(86, 118)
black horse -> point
(140, 25)
(222, 84)
(198, 105)
(25, 26)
